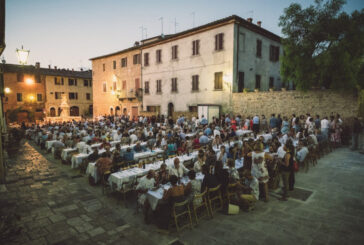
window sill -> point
(195, 55)
(174, 92)
(195, 91)
(219, 50)
(158, 93)
(219, 89)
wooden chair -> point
(199, 208)
(231, 191)
(214, 197)
(180, 210)
(105, 182)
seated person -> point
(103, 164)
(145, 184)
(138, 148)
(116, 155)
(128, 155)
(193, 188)
(172, 195)
(233, 172)
(177, 169)
(94, 155)
(204, 140)
(250, 191)
(222, 176)
(171, 148)
(58, 147)
(200, 161)
(222, 155)
(209, 180)
(163, 175)
(196, 142)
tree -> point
(323, 46)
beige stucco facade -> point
(115, 86)
(83, 100)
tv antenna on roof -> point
(143, 29)
(175, 25)
(193, 19)
(161, 19)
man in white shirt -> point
(177, 169)
(133, 138)
(281, 152)
(325, 125)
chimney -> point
(259, 23)
(136, 43)
(49, 66)
(250, 20)
(55, 67)
(37, 65)
(81, 69)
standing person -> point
(317, 122)
(273, 122)
(279, 120)
(325, 125)
(285, 126)
(286, 168)
(259, 169)
(335, 131)
(356, 129)
(256, 124)
(263, 124)
(145, 184)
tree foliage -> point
(323, 46)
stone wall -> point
(322, 102)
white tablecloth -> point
(67, 151)
(154, 196)
(49, 144)
(92, 170)
(243, 132)
(130, 174)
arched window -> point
(74, 111)
(117, 111)
(111, 111)
(52, 112)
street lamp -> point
(7, 90)
(22, 55)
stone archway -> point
(74, 111)
(170, 109)
(52, 112)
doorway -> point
(170, 109)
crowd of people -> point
(270, 149)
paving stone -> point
(95, 232)
(57, 217)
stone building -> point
(31, 92)
(196, 70)
(77, 85)
(117, 85)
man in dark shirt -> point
(94, 155)
(210, 180)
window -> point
(124, 62)
(273, 53)
(62, 80)
(39, 97)
(136, 59)
(73, 96)
(19, 97)
(88, 96)
(103, 67)
(90, 82)
(219, 41)
(57, 95)
(218, 80)
(58, 81)
(146, 59)
(241, 42)
(146, 87)
(20, 77)
(114, 86)
(196, 47)
(137, 84)
(195, 82)
(241, 82)
(271, 82)
(72, 82)
(158, 54)
(192, 109)
(174, 52)
(257, 82)
(104, 87)
(114, 64)
(124, 84)
(85, 83)
(159, 86)
(259, 48)
(174, 84)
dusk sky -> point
(67, 33)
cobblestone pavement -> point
(59, 207)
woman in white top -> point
(259, 169)
(200, 162)
(193, 188)
(221, 155)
